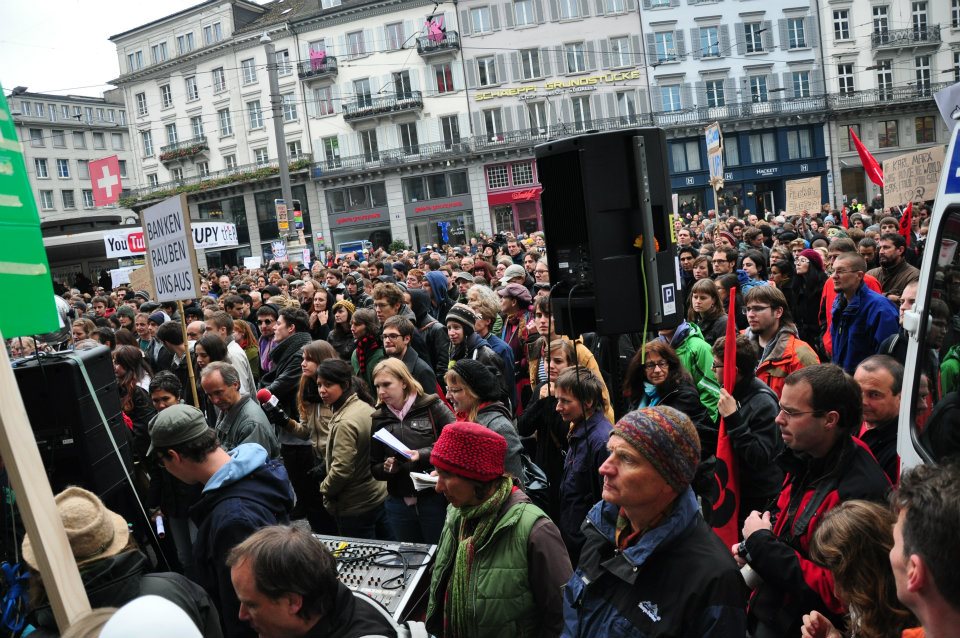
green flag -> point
(27, 304)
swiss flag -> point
(105, 177)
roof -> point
(280, 11)
(244, 3)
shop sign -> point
(350, 219)
(768, 171)
(561, 86)
(511, 197)
(489, 95)
(436, 206)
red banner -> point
(906, 222)
(724, 515)
(870, 165)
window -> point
(497, 176)
(355, 44)
(881, 24)
(87, 198)
(408, 138)
(620, 52)
(538, 117)
(260, 156)
(40, 168)
(219, 80)
(450, 127)
(576, 60)
(922, 66)
(395, 37)
(710, 42)
(141, 104)
(670, 97)
(614, 6)
(46, 200)
(36, 137)
(152, 180)
(323, 99)
(846, 140)
(919, 16)
(203, 169)
(841, 24)
(926, 129)
(190, 84)
(887, 136)
(282, 58)
(361, 90)
(493, 124)
(444, 75)
(845, 78)
(885, 79)
(196, 126)
(955, 14)
(184, 43)
(134, 61)
(254, 115)
(758, 89)
(26, 108)
(289, 107)
(248, 71)
(77, 113)
(581, 112)
(369, 145)
(212, 33)
(799, 144)
(731, 151)
(402, 86)
(171, 130)
(685, 156)
(665, 46)
(147, 138)
(487, 71)
(166, 96)
(63, 169)
(88, 113)
(83, 169)
(116, 141)
(229, 162)
(331, 151)
(158, 52)
(569, 9)
(530, 64)
(122, 165)
(65, 111)
(956, 64)
(294, 150)
(52, 109)
(225, 121)
(753, 36)
(714, 93)
(763, 148)
(176, 174)
(60, 138)
(79, 139)
(522, 173)
(123, 118)
(67, 196)
(627, 107)
(523, 13)
(801, 83)
(40, 112)
(480, 21)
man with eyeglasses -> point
(396, 335)
(837, 247)
(862, 318)
(388, 301)
(724, 261)
(266, 321)
(820, 410)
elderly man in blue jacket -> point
(862, 318)
(650, 565)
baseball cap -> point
(176, 425)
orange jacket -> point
(789, 354)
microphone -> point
(271, 407)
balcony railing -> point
(442, 43)
(379, 106)
(884, 96)
(902, 38)
(184, 149)
(318, 69)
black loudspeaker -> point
(74, 445)
(606, 215)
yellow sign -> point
(489, 95)
(593, 80)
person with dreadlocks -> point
(501, 564)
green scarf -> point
(482, 519)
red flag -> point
(870, 165)
(843, 217)
(906, 222)
(723, 517)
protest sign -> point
(170, 252)
(912, 177)
(803, 195)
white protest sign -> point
(803, 195)
(170, 250)
(279, 249)
(214, 235)
(121, 275)
(948, 102)
(252, 263)
(912, 177)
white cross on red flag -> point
(105, 177)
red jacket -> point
(789, 354)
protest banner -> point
(170, 253)
(803, 195)
(912, 177)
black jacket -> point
(434, 333)
(882, 441)
(283, 380)
(420, 370)
(353, 616)
(540, 420)
(343, 343)
(756, 438)
(713, 329)
(684, 397)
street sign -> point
(172, 258)
(283, 223)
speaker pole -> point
(186, 347)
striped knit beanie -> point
(667, 438)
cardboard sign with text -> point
(140, 279)
(912, 177)
(803, 195)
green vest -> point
(503, 605)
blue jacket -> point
(859, 327)
(244, 495)
(580, 484)
(678, 580)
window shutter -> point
(457, 77)
(370, 43)
(647, 4)
(651, 51)
(686, 95)
(725, 49)
(538, 10)
(507, 119)
(741, 35)
(522, 115)
(810, 32)
(816, 82)
(612, 105)
(554, 10)
(508, 14)
(695, 42)
(584, 8)
(600, 10)
(478, 130)
(410, 27)
(773, 82)
(342, 49)
(471, 74)
(430, 84)
(561, 60)
(656, 99)
(730, 91)
(495, 17)
(636, 52)
(516, 71)
(767, 35)
(681, 45)
(701, 89)
(591, 54)
(787, 84)
(784, 34)
(545, 62)
(604, 53)
(674, 3)
(415, 79)
(631, 5)
(465, 22)
(566, 111)
(596, 108)
(501, 68)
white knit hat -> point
(150, 617)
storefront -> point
(230, 210)
(513, 194)
(265, 202)
(359, 213)
(438, 208)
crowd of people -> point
(574, 487)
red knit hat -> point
(470, 450)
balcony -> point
(884, 96)
(430, 46)
(906, 38)
(325, 69)
(184, 150)
(372, 107)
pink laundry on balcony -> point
(435, 31)
(317, 59)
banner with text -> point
(803, 195)
(129, 242)
(912, 177)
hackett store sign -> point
(561, 85)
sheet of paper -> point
(392, 442)
(423, 481)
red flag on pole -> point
(843, 217)
(723, 517)
(870, 165)
(906, 223)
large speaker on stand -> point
(606, 215)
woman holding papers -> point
(410, 420)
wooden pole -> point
(186, 347)
(61, 577)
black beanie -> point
(479, 378)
